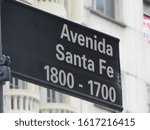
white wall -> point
(132, 52)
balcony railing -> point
(20, 102)
(57, 108)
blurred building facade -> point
(120, 18)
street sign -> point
(56, 53)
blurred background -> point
(128, 20)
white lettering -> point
(109, 50)
(65, 32)
(74, 59)
(73, 37)
(81, 40)
(101, 66)
(60, 56)
(98, 89)
(110, 72)
(101, 46)
(89, 42)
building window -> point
(18, 102)
(11, 83)
(29, 104)
(23, 84)
(14, 83)
(24, 103)
(12, 102)
(17, 84)
(53, 96)
(108, 8)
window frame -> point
(12, 102)
(118, 13)
(104, 12)
(54, 97)
(16, 83)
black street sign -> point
(56, 53)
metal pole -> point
(5, 72)
(1, 84)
